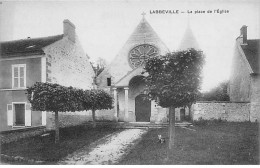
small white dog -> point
(161, 139)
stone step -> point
(143, 124)
(149, 125)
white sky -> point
(104, 26)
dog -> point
(161, 139)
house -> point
(245, 75)
(56, 59)
(124, 78)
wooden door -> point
(142, 108)
(19, 114)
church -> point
(125, 80)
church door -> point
(142, 108)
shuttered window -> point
(19, 76)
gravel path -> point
(108, 150)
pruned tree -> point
(173, 81)
(57, 98)
(97, 100)
(54, 98)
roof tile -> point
(26, 47)
(252, 53)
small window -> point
(19, 76)
(108, 81)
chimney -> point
(69, 29)
(243, 34)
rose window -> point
(139, 54)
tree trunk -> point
(171, 130)
(94, 118)
(57, 131)
(189, 106)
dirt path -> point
(108, 150)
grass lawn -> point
(44, 148)
(211, 143)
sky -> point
(103, 27)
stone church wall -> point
(228, 111)
(119, 67)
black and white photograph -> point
(129, 82)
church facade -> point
(125, 80)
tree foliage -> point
(100, 100)
(54, 97)
(174, 79)
(57, 98)
(219, 93)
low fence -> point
(14, 135)
(229, 111)
(67, 119)
(207, 110)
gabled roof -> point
(25, 47)
(143, 31)
(252, 53)
(142, 34)
(189, 40)
(145, 34)
(124, 81)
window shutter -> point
(28, 115)
(21, 77)
(16, 72)
(10, 115)
(16, 77)
(43, 117)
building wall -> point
(33, 71)
(240, 82)
(69, 65)
(159, 114)
(7, 97)
(33, 74)
(228, 111)
(255, 98)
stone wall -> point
(228, 111)
(69, 64)
(76, 118)
(68, 118)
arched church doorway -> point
(142, 108)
